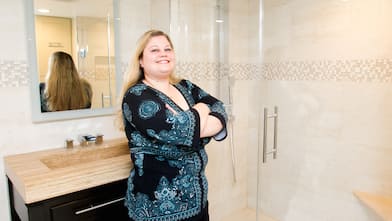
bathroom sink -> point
(83, 155)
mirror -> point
(85, 29)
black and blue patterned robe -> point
(168, 180)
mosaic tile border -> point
(215, 71)
(15, 73)
(376, 70)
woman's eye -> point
(154, 50)
(168, 49)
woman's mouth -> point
(163, 62)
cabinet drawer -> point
(91, 209)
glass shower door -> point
(200, 31)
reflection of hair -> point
(64, 89)
(136, 72)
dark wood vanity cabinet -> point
(102, 203)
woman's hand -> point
(203, 110)
(213, 127)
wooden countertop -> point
(45, 174)
(382, 205)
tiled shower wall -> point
(328, 69)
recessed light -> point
(43, 10)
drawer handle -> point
(98, 206)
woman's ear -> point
(141, 63)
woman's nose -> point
(163, 53)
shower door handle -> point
(265, 134)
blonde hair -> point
(64, 89)
(136, 73)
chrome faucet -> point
(86, 139)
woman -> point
(168, 122)
(64, 89)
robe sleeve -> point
(216, 106)
(147, 113)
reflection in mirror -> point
(85, 29)
(63, 88)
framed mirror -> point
(87, 31)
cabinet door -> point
(91, 209)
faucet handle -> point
(85, 139)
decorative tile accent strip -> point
(371, 70)
(14, 74)
(245, 71)
(377, 70)
(199, 70)
(215, 71)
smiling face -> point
(158, 58)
